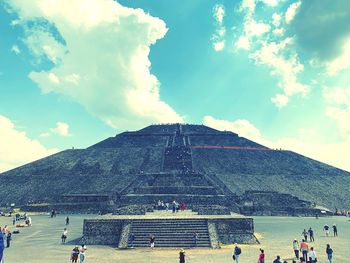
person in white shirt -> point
(312, 255)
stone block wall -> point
(103, 231)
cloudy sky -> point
(73, 72)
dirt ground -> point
(41, 243)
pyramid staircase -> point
(172, 232)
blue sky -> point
(75, 72)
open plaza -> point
(42, 242)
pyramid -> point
(193, 163)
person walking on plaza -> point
(329, 252)
(311, 234)
(64, 235)
(237, 251)
(67, 221)
(326, 229)
(82, 253)
(296, 248)
(182, 256)
(304, 233)
(74, 254)
(8, 239)
(335, 230)
(304, 249)
(312, 255)
(261, 258)
(1, 245)
(277, 260)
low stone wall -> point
(133, 210)
(221, 230)
(103, 231)
(231, 230)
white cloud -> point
(280, 100)
(278, 31)
(16, 148)
(61, 129)
(218, 38)
(15, 49)
(253, 28)
(100, 57)
(242, 127)
(341, 62)
(272, 55)
(219, 13)
(242, 43)
(270, 2)
(338, 108)
(218, 46)
(276, 19)
(335, 154)
(292, 11)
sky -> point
(74, 72)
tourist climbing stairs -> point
(170, 232)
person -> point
(304, 249)
(64, 235)
(296, 248)
(311, 234)
(237, 251)
(174, 206)
(329, 252)
(304, 233)
(302, 260)
(1, 245)
(312, 255)
(335, 230)
(195, 239)
(8, 239)
(13, 220)
(74, 254)
(152, 240)
(131, 239)
(277, 260)
(82, 253)
(261, 258)
(67, 221)
(182, 256)
(326, 229)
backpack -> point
(238, 251)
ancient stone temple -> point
(214, 173)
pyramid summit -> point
(193, 163)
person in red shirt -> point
(261, 256)
(304, 247)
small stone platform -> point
(170, 229)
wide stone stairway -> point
(170, 232)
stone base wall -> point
(231, 230)
(103, 231)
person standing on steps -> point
(152, 240)
(182, 256)
(131, 239)
(236, 253)
(195, 239)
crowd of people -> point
(303, 252)
(174, 206)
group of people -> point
(308, 255)
(334, 227)
(175, 206)
(78, 252)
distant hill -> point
(109, 166)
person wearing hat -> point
(182, 255)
